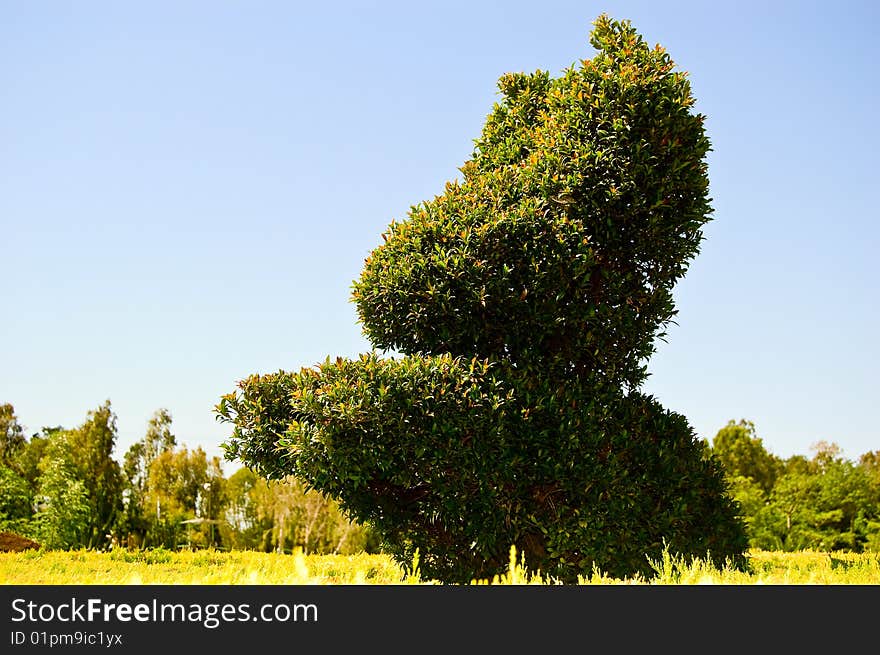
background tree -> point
(12, 438)
(741, 453)
(211, 504)
(92, 446)
(525, 301)
(77, 467)
(27, 463)
(18, 474)
(277, 503)
(752, 501)
(870, 463)
(845, 504)
(751, 473)
(141, 454)
(306, 519)
(64, 511)
(136, 469)
(246, 526)
(793, 504)
(184, 485)
(16, 502)
(825, 503)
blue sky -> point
(188, 189)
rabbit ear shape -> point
(579, 210)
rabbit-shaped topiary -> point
(525, 302)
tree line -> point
(826, 502)
(63, 488)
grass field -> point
(38, 567)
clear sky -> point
(188, 189)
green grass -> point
(38, 567)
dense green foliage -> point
(16, 498)
(526, 299)
(472, 453)
(63, 489)
(824, 503)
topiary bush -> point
(525, 301)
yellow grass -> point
(194, 567)
(39, 567)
